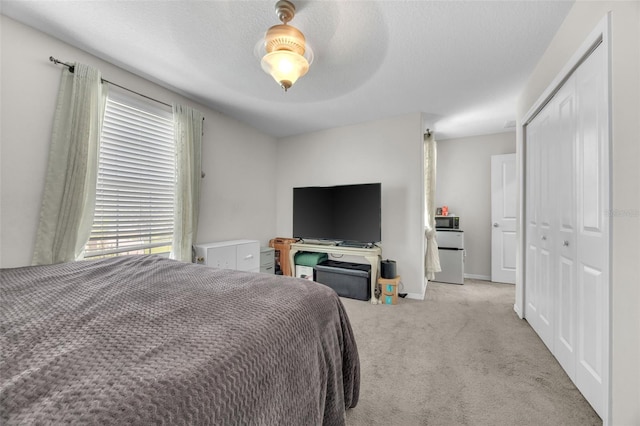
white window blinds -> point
(136, 180)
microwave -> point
(447, 222)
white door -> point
(503, 218)
(592, 234)
(540, 306)
(565, 231)
(567, 227)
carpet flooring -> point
(459, 357)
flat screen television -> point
(342, 213)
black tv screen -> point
(346, 213)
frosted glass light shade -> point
(285, 67)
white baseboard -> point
(416, 296)
(478, 277)
(517, 310)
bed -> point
(148, 340)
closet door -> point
(593, 249)
(567, 227)
(564, 347)
(539, 204)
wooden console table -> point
(373, 256)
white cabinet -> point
(267, 260)
(242, 255)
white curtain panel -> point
(68, 202)
(431, 258)
(188, 134)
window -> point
(136, 180)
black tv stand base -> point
(347, 279)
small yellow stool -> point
(389, 290)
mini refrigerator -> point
(451, 253)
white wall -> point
(239, 190)
(238, 193)
(625, 187)
(387, 151)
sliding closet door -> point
(593, 225)
(540, 195)
(567, 227)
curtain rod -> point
(428, 133)
(71, 68)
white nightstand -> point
(267, 260)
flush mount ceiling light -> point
(285, 60)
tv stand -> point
(371, 254)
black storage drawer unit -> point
(351, 280)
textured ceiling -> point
(460, 63)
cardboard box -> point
(389, 290)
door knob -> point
(495, 225)
(543, 238)
(565, 243)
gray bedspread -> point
(146, 340)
